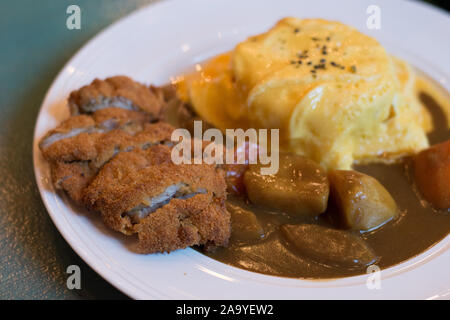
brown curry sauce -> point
(417, 228)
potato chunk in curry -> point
(300, 187)
(363, 203)
(329, 246)
(244, 224)
(432, 174)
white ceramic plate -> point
(156, 43)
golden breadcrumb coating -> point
(118, 91)
(85, 142)
(132, 179)
(97, 137)
(72, 178)
(111, 158)
(179, 225)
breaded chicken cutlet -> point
(169, 206)
(113, 156)
(81, 145)
(120, 92)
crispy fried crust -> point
(131, 178)
(118, 91)
(119, 172)
(72, 177)
(112, 159)
(121, 116)
(179, 225)
(86, 155)
(76, 137)
(98, 137)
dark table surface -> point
(35, 45)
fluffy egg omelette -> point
(335, 94)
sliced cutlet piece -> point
(180, 224)
(118, 172)
(100, 136)
(75, 175)
(127, 120)
(81, 145)
(117, 141)
(72, 178)
(81, 131)
(75, 138)
(186, 209)
(119, 91)
(169, 206)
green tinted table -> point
(35, 45)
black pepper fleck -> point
(337, 65)
(319, 66)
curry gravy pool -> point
(341, 100)
(418, 227)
